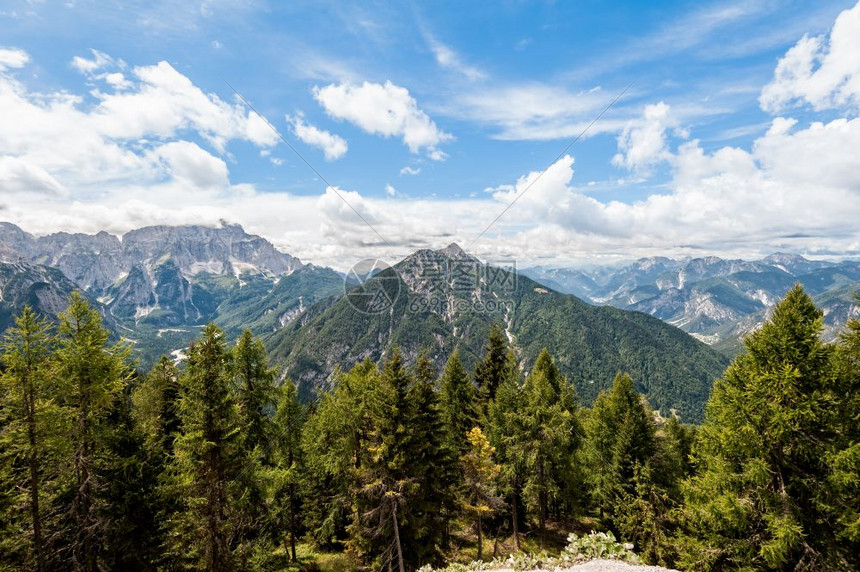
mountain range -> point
(157, 286)
(718, 301)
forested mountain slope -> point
(445, 299)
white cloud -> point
(130, 141)
(823, 72)
(99, 61)
(334, 146)
(191, 166)
(384, 109)
(12, 58)
(117, 80)
(449, 59)
(732, 201)
(642, 143)
(167, 102)
(407, 170)
(390, 190)
(534, 111)
(20, 176)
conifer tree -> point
(207, 457)
(762, 496)
(843, 459)
(284, 498)
(433, 465)
(93, 376)
(334, 446)
(385, 487)
(545, 442)
(458, 403)
(256, 392)
(505, 433)
(134, 537)
(156, 409)
(495, 366)
(480, 472)
(621, 437)
(28, 422)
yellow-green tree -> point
(480, 473)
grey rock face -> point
(93, 262)
(46, 290)
(97, 262)
(717, 300)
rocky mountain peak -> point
(454, 251)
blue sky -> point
(430, 118)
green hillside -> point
(591, 344)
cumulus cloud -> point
(20, 176)
(12, 58)
(384, 109)
(390, 190)
(823, 72)
(408, 170)
(129, 141)
(191, 166)
(85, 147)
(732, 201)
(642, 143)
(334, 146)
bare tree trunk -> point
(397, 539)
(292, 544)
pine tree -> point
(133, 538)
(385, 488)
(458, 403)
(761, 497)
(480, 472)
(433, 466)
(28, 432)
(495, 367)
(155, 411)
(256, 391)
(505, 433)
(93, 376)
(284, 498)
(155, 403)
(208, 457)
(843, 458)
(334, 445)
(546, 441)
(621, 437)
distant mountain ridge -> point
(96, 262)
(160, 283)
(715, 299)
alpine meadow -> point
(441, 287)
